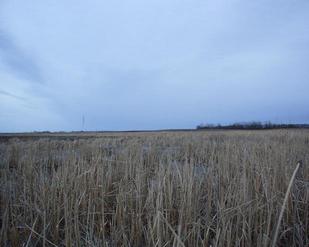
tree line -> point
(251, 126)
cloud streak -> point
(8, 94)
(18, 61)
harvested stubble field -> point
(199, 188)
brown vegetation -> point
(218, 188)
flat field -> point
(194, 188)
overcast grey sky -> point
(136, 64)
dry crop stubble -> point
(205, 188)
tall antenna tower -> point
(83, 123)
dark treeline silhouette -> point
(252, 126)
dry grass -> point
(219, 188)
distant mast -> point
(83, 123)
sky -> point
(155, 64)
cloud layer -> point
(152, 64)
